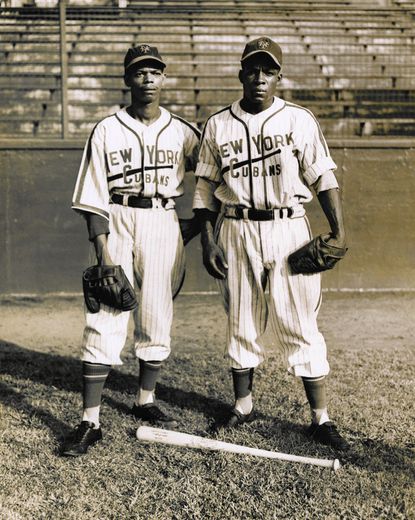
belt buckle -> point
(157, 202)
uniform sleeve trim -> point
(315, 170)
(90, 209)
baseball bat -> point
(174, 438)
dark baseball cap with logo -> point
(142, 52)
(263, 45)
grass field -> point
(371, 388)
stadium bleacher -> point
(352, 63)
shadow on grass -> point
(64, 373)
(373, 455)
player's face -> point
(259, 77)
(145, 82)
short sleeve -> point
(204, 197)
(326, 181)
(91, 190)
(313, 153)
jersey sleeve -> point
(204, 197)
(91, 190)
(313, 153)
(209, 163)
(326, 181)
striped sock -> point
(94, 376)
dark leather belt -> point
(258, 214)
(135, 201)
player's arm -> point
(331, 204)
(328, 194)
(101, 250)
(206, 206)
(213, 257)
(98, 230)
(318, 170)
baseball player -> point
(132, 171)
(259, 157)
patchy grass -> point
(371, 399)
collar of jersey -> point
(277, 104)
(141, 127)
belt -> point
(136, 201)
(258, 214)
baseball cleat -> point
(327, 433)
(152, 414)
(78, 442)
(235, 419)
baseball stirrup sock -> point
(315, 389)
(242, 381)
(149, 372)
(94, 376)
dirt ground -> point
(350, 320)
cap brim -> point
(274, 59)
(144, 58)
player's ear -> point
(127, 80)
(241, 75)
(279, 76)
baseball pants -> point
(256, 254)
(148, 245)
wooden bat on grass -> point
(174, 438)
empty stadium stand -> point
(352, 63)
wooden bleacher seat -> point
(343, 69)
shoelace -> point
(81, 431)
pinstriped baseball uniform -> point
(266, 161)
(126, 157)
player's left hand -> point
(214, 260)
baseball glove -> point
(107, 284)
(189, 227)
(315, 256)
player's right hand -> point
(214, 261)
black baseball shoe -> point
(327, 433)
(78, 442)
(152, 414)
(235, 419)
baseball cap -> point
(264, 45)
(140, 53)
